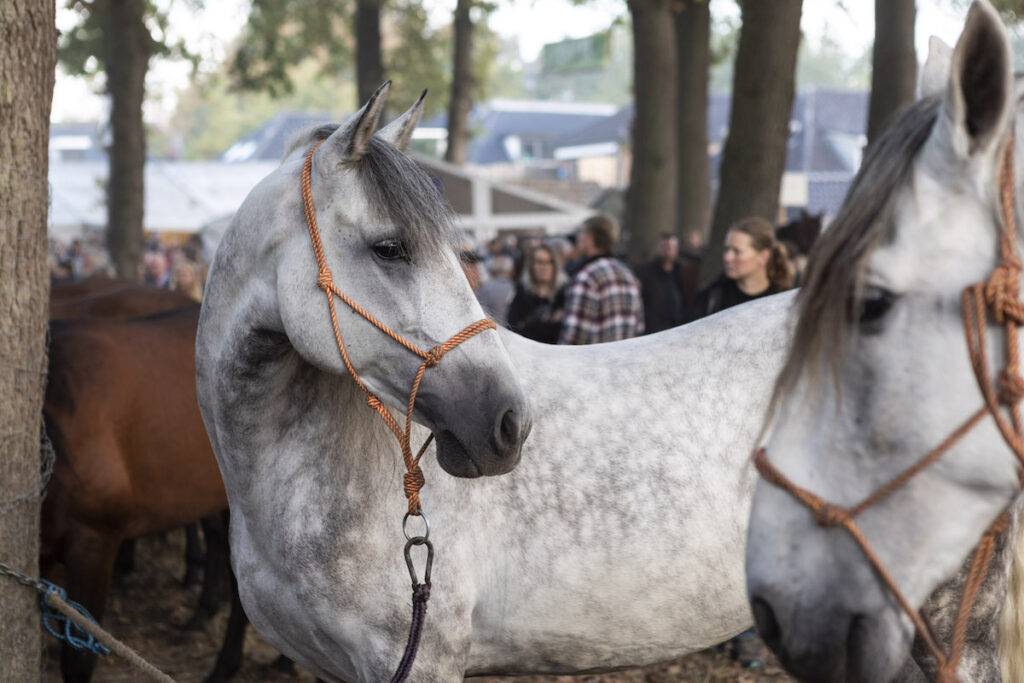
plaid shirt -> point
(603, 304)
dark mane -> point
(400, 192)
(831, 296)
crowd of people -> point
(179, 268)
(561, 290)
(575, 291)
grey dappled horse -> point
(617, 539)
(879, 374)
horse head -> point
(879, 374)
(387, 240)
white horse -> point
(879, 374)
(617, 541)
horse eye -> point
(875, 304)
(390, 250)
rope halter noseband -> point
(413, 480)
(999, 295)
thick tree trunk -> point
(894, 63)
(369, 59)
(693, 36)
(128, 59)
(28, 55)
(463, 83)
(754, 157)
(651, 197)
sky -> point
(533, 23)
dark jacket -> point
(536, 317)
(723, 293)
(668, 295)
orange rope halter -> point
(999, 294)
(413, 480)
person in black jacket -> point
(668, 286)
(754, 264)
(536, 309)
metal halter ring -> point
(426, 526)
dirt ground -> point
(148, 607)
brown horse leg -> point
(215, 570)
(125, 562)
(89, 561)
(193, 555)
(229, 659)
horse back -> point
(112, 298)
(121, 403)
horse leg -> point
(229, 659)
(193, 555)
(215, 570)
(89, 561)
(125, 562)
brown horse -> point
(133, 457)
(114, 298)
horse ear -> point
(979, 96)
(400, 131)
(935, 73)
(353, 137)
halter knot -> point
(1011, 387)
(1002, 288)
(828, 515)
(433, 356)
(325, 280)
(412, 482)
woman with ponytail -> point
(754, 264)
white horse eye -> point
(874, 305)
(390, 250)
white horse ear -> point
(400, 131)
(979, 98)
(935, 74)
(353, 137)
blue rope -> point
(58, 626)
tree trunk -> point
(693, 35)
(463, 82)
(894, 63)
(651, 197)
(28, 56)
(754, 157)
(129, 48)
(369, 59)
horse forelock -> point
(400, 192)
(831, 295)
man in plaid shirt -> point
(603, 302)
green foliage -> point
(282, 33)
(212, 114)
(83, 49)
(1012, 10)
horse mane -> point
(831, 296)
(400, 192)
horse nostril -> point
(767, 625)
(508, 430)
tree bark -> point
(651, 197)
(28, 56)
(369, 58)
(129, 46)
(463, 83)
(894, 63)
(693, 38)
(754, 157)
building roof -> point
(181, 196)
(268, 142)
(827, 130)
(507, 131)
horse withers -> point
(880, 374)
